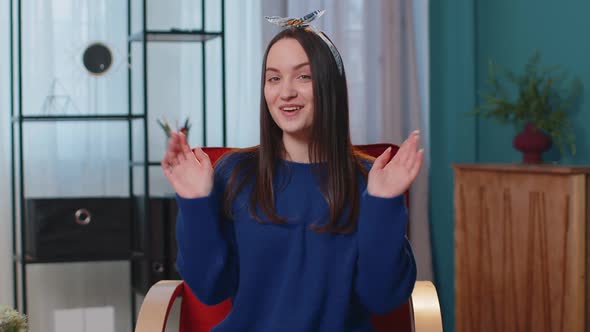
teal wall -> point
(509, 31)
(464, 35)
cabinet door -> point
(519, 251)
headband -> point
(304, 22)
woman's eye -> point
(273, 79)
(305, 77)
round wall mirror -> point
(97, 58)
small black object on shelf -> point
(97, 58)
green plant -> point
(11, 320)
(542, 98)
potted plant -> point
(539, 110)
(11, 320)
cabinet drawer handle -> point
(83, 217)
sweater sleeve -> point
(386, 270)
(206, 258)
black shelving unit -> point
(141, 204)
(20, 221)
(156, 233)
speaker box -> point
(77, 229)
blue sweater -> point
(288, 277)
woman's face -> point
(288, 88)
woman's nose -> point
(288, 91)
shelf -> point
(141, 163)
(106, 117)
(99, 258)
(140, 248)
(175, 36)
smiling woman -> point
(288, 92)
(302, 232)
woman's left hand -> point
(390, 179)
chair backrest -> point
(198, 317)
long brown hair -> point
(330, 145)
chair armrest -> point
(426, 308)
(157, 304)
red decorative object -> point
(532, 142)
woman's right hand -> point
(189, 171)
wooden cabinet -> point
(521, 257)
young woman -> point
(301, 232)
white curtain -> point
(379, 43)
(245, 47)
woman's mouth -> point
(290, 110)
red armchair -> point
(421, 313)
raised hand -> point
(389, 179)
(189, 171)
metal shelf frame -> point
(144, 36)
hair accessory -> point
(304, 22)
